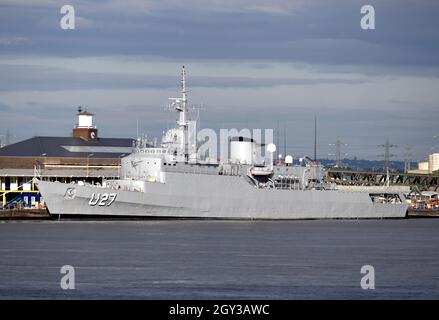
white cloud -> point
(12, 41)
(34, 3)
(277, 84)
(272, 7)
(84, 23)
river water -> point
(316, 259)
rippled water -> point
(220, 259)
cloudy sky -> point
(250, 64)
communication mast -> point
(407, 158)
(338, 151)
(180, 105)
(315, 139)
(387, 155)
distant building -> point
(430, 166)
(423, 166)
(433, 162)
(83, 156)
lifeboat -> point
(261, 171)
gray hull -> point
(214, 196)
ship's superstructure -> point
(168, 180)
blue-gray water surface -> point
(220, 259)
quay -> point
(422, 213)
(84, 156)
(25, 214)
(43, 214)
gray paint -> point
(186, 195)
(172, 186)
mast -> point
(277, 140)
(285, 140)
(180, 105)
(184, 114)
(315, 139)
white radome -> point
(271, 147)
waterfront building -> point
(428, 167)
(84, 156)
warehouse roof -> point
(68, 147)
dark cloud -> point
(24, 77)
(322, 32)
(362, 129)
(4, 107)
(324, 35)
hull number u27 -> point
(102, 199)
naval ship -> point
(168, 180)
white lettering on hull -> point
(104, 199)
